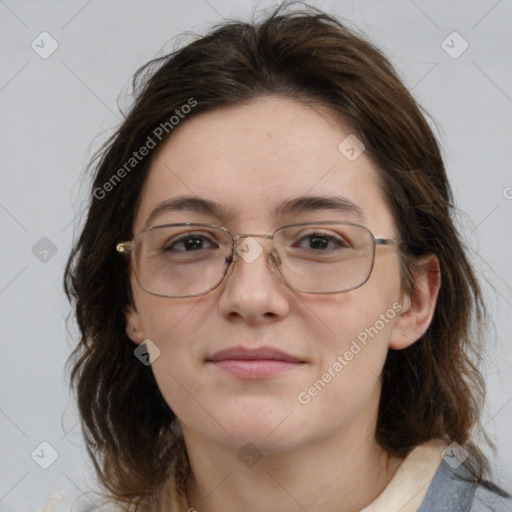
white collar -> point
(409, 485)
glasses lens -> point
(182, 260)
(325, 258)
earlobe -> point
(134, 325)
(419, 305)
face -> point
(250, 159)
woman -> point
(276, 310)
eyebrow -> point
(293, 206)
(306, 204)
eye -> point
(323, 241)
(188, 243)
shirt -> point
(428, 482)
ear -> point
(134, 329)
(417, 306)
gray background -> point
(55, 112)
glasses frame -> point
(128, 247)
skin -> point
(321, 456)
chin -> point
(271, 432)
(258, 440)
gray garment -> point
(449, 492)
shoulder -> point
(488, 497)
(452, 490)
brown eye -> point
(189, 243)
(320, 241)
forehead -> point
(252, 158)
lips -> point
(244, 354)
(260, 363)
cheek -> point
(359, 337)
(172, 325)
(350, 363)
(356, 317)
(163, 317)
(352, 333)
(173, 328)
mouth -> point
(257, 363)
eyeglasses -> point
(190, 259)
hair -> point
(310, 56)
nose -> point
(252, 289)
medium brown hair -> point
(431, 389)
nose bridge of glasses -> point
(251, 235)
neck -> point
(344, 472)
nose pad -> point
(275, 259)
